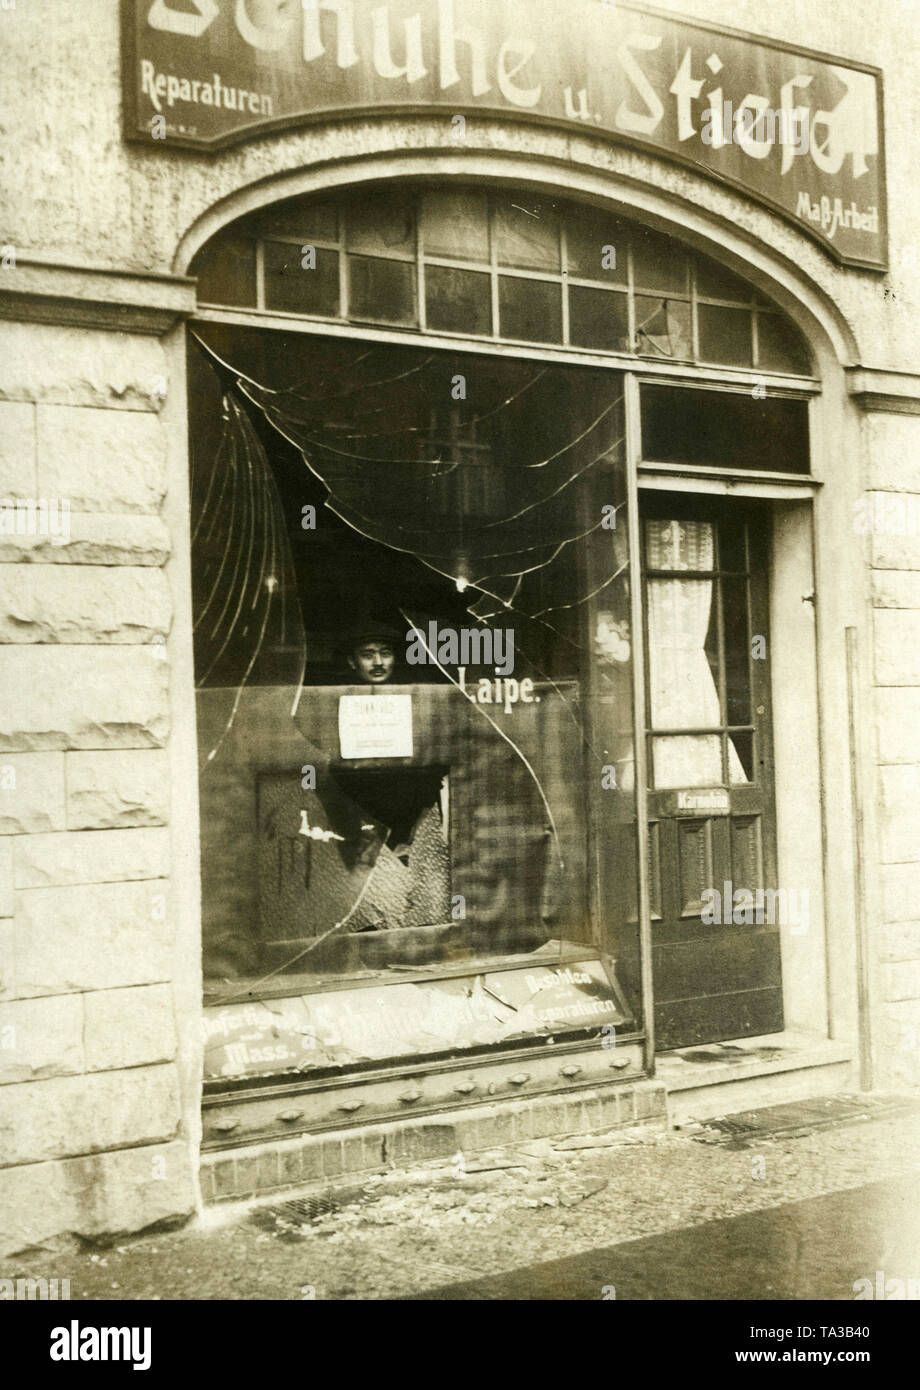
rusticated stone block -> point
(898, 724)
(901, 942)
(89, 856)
(99, 936)
(41, 1038)
(134, 1188)
(898, 1045)
(893, 450)
(99, 1196)
(7, 894)
(899, 833)
(897, 647)
(31, 793)
(102, 460)
(17, 450)
(133, 538)
(902, 981)
(900, 885)
(83, 697)
(107, 790)
(894, 543)
(7, 946)
(48, 603)
(129, 1027)
(70, 1115)
(80, 367)
(38, 1206)
(896, 588)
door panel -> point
(711, 798)
(693, 1022)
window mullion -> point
(564, 252)
(343, 268)
(493, 261)
(260, 273)
(422, 307)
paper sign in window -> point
(375, 726)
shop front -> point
(464, 412)
(449, 640)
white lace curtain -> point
(683, 690)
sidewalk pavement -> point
(695, 1213)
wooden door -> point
(712, 836)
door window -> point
(698, 656)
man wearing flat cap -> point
(372, 652)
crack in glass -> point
(419, 480)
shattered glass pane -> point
(414, 663)
(741, 758)
(663, 327)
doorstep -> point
(255, 1170)
(749, 1073)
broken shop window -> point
(447, 647)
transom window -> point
(505, 266)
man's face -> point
(373, 662)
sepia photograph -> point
(459, 668)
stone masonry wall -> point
(893, 451)
(91, 1139)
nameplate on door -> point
(708, 803)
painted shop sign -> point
(796, 130)
(342, 1027)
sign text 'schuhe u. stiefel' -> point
(798, 131)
